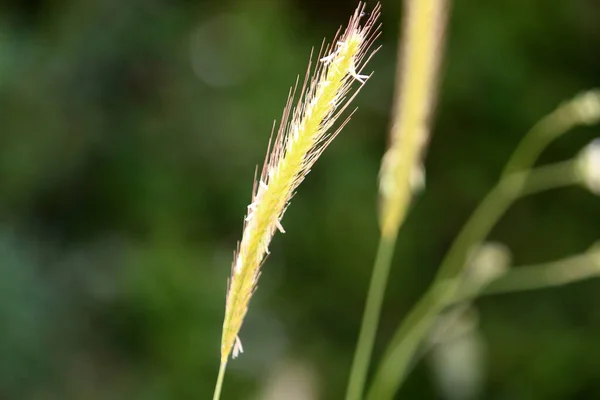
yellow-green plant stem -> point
(397, 358)
(525, 278)
(419, 55)
(540, 276)
(219, 384)
(537, 139)
(496, 203)
(370, 321)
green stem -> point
(219, 384)
(541, 276)
(407, 339)
(370, 321)
(398, 359)
(518, 279)
(537, 139)
(495, 204)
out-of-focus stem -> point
(416, 79)
(419, 54)
(370, 321)
(583, 109)
(398, 356)
(556, 273)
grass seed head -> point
(304, 132)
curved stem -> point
(525, 278)
(535, 141)
(556, 273)
(219, 385)
(495, 204)
(405, 342)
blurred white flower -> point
(589, 166)
(586, 107)
(486, 263)
(594, 254)
(291, 380)
(458, 355)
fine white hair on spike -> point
(237, 348)
(327, 59)
(357, 76)
(251, 209)
(280, 227)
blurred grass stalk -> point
(304, 133)
(519, 179)
(493, 276)
(541, 276)
(419, 55)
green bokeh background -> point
(129, 135)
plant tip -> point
(589, 166)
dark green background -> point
(129, 134)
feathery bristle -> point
(304, 133)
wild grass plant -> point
(307, 129)
(304, 133)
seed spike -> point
(303, 134)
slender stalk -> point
(420, 53)
(370, 321)
(219, 385)
(495, 205)
(399, 355)
(524, 278)
(540, 276)
(583, 109)
(532, 145)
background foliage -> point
(129, 135)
